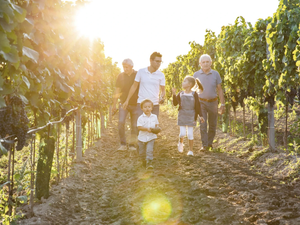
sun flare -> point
(86, 19)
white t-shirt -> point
(147, 122)
(149, 84)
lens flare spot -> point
(156, 208)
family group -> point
(141, 92)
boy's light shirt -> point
(147, 122)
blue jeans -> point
(146, 149)
(155, 110)
(132, 109)
(210, 114)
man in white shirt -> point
(151, 82)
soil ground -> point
(110, 187)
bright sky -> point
(136, 28)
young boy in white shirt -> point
(146, 137)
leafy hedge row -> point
(258, 63)
(47, 64)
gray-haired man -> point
(211, 82)
(123, 85)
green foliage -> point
(229, 50)
(255, 51)
(282, 35)
(50, 67)
(185, 65)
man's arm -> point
(222, 99)
(162, 94)
(131, 92)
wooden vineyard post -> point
(65, 164)
(102, 123)
(78, 137)
(244, 121)
(91, 128)
(89, 131)
(98, 125)
(57, 153)
(252, 124)
(229, 122)
(94, 126)
(10, 180)
(286, 124)
(32, 162)
(271, 128)
(110, 114)
(73, 139)
(12, 176)
(234, 127)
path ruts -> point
(209, 188)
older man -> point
(152, 83)
(211, 82)
(123, 84)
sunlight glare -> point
(86, 19)
(156, 208)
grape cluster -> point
(13, 120)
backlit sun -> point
(86, 19)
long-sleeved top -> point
(177, 101)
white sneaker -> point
(132, 148)
(122, 148)
(180, 147)
(190, 153)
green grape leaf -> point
(30, 53)
(24, 99)
(2, 148)
(33, 98)
(22, 199)
(4, 43)
(26, 81)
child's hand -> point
(202, 120)
(174, 91)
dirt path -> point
(209, 188)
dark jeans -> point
(146, 149)
(132, 109)
(155, 110)
(210, 114)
